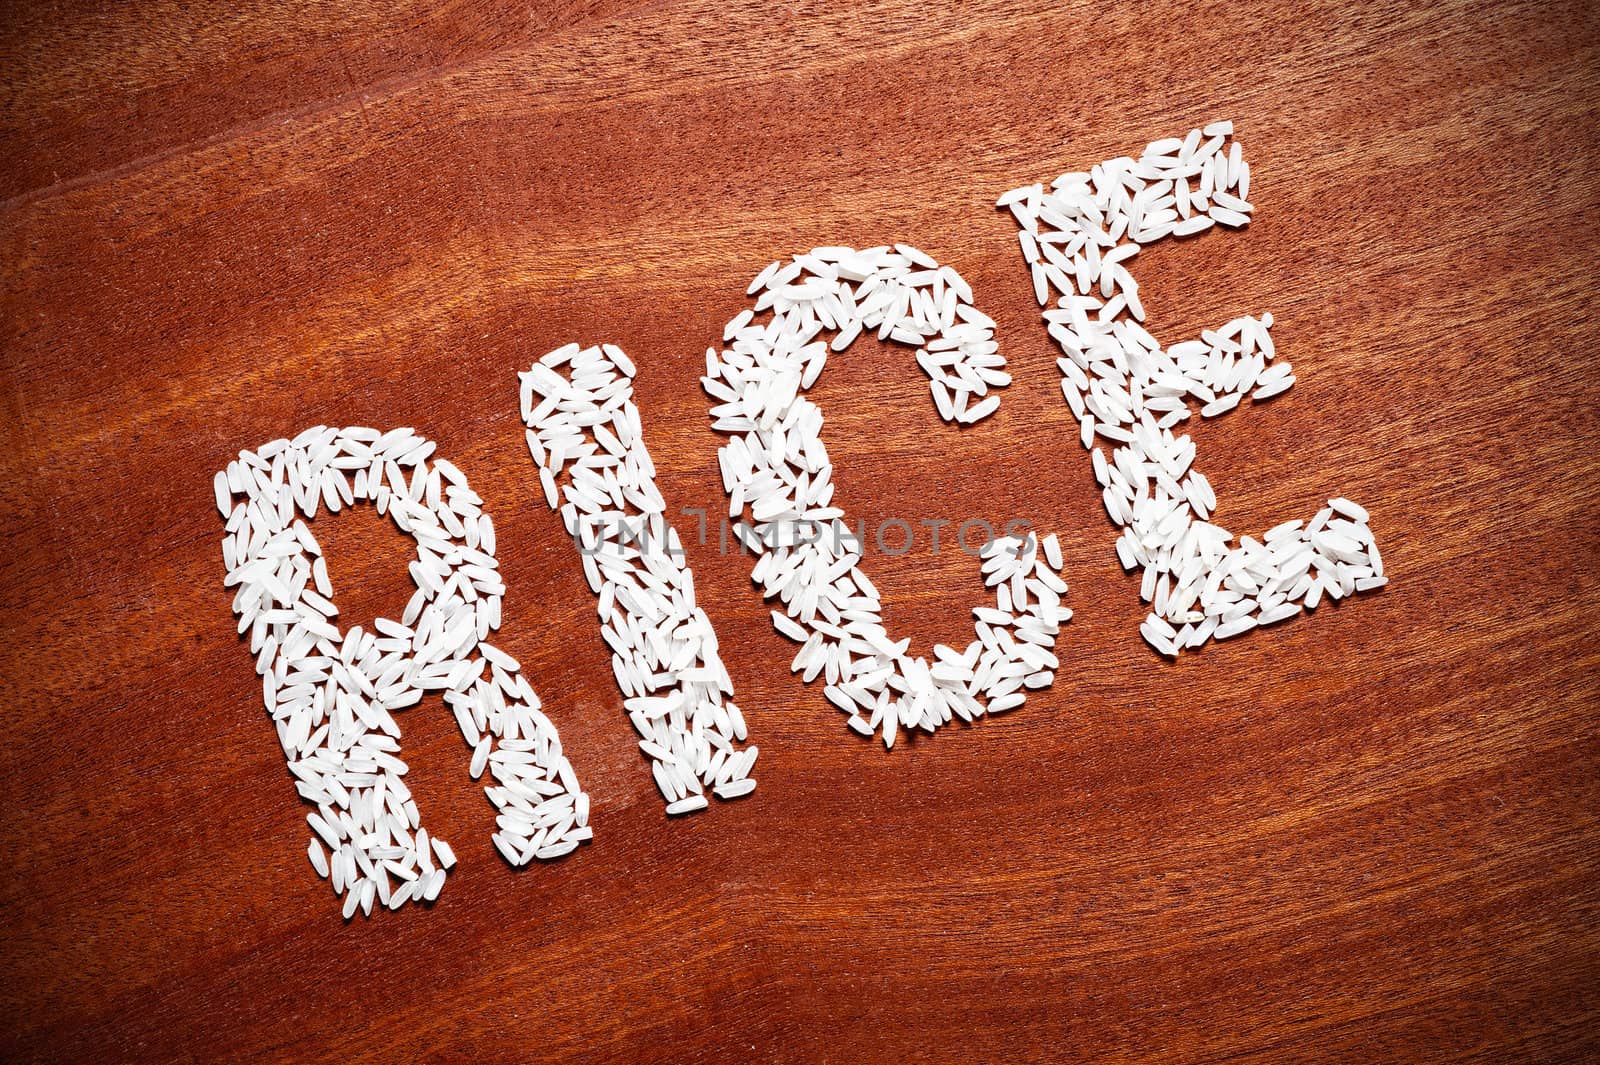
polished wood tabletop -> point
(1371, 834)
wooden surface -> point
(1368, 836)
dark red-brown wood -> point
(1372, 835)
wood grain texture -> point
(1373, 835)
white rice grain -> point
(775, 467)
(660, 639)
(1125, 388)
(332, 696)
